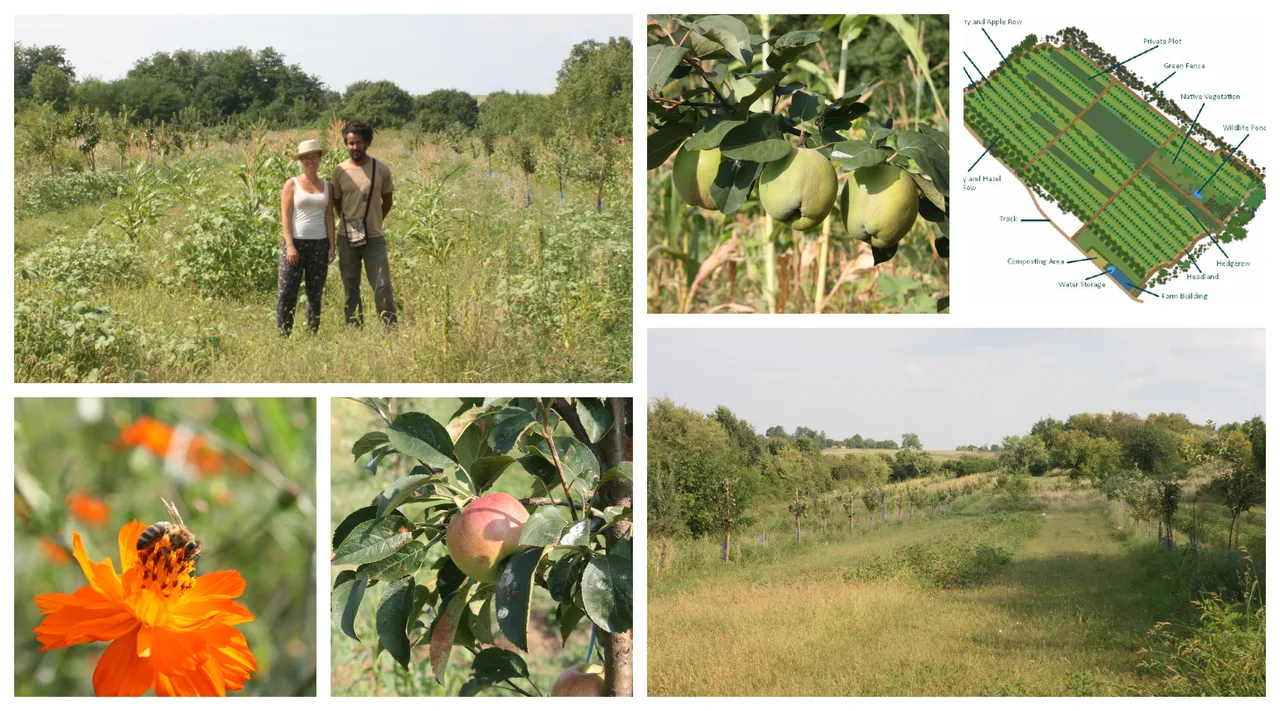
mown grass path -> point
(1066, 616)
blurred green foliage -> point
(361, 668)
(257, 517)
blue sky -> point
(478, 54)
(956, 386)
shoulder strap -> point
(372, 182)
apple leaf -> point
(349, 523)
(596, 417)
(400, 491)
(367, 443)
(393, 619)
(570, 616)
(416, 435)
(606, 590)
(494, 665)
(374, 540)
(506, 426)
(481, 618)
(344, 602)
(405, 561)
(444, 629)
(486, 470)
(545, 526)
(515, 591)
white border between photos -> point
(1247, 10)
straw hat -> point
(309, 146)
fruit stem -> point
(555, 459)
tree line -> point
(910, 440)
(1151, 464)
(241, 84)
(698, 461)
(185, 96)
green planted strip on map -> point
(1224, 162)
(990, 81)
(1188, 133)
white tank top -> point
(308, 212)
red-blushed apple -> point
(484, 533)
(580, 680)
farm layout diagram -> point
(1153, 189)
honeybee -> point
(178, 536)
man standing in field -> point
(362, 193)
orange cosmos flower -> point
(53, 552)
(170, 630)
(157, 437)
(88, 509)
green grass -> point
(487, 289)
(358, 668)
(1052, 599)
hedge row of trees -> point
(185, 96)
(819, 437)
(699, 461)
(695, 457)
(593, 88)
(1148, 462)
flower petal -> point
(231, 651)
(85, 616)
(185, 617)
(172, 653)
(221, 583)
(101, 576)
(203, 681)
(129, 544)
(120, 672)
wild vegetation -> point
(1119, 555)
(147, 241)
(813, 110)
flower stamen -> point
(166, 570)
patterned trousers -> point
(311, 269)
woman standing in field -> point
(306, 214)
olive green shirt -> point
(351, 185)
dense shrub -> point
(40, 193)
(65, 337)
(1226, 655)
(92, 260)
(231, 250)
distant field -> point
(942, 454)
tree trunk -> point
(610, 452)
